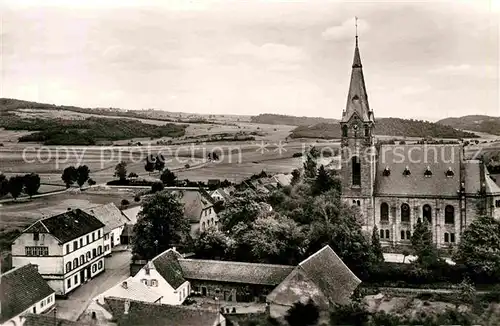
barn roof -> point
(110, 215)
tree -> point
(479, 247)
(168, 178)
(121, 171)
(159, 162)
(241, 207)
(161, 225)
(4, 185)
(310, 165)
(303, 314)
(324, 182)
(16, 184)
(69, 176)
(422, 245)
(156, 187)
(376, 247)
(91, 182)
(31, 184)
(295, 177)
(213, 244)
(150, 163)
(82, 173)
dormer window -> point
(406, 172)
(344, 131)
(428, 172)
(367, 131)
(36, 236)
(387, 172)
(449, 173)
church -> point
(395, 185)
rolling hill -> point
(385, 126)
(480, 123)
(279, 119)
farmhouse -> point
(67, 248)
(199, 210)
(23, 290)
(114, 223)
(396, 185)
(130, 288)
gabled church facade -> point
(395, 185)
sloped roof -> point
(283, 179)
(439, 158)
(154, 314)
(331, 275)
(67, 226)
(48, 320)
(132, 213)
(491, 187)
(135, 290)
(234, 272)
(21, 288)
(472, 176)
(110, 215)
(194, 203)
(168, 266)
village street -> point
(117, 269)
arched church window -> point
(356, 171)
(449, 214)
(367, 131)
(344, 131)
(427, 213)
(384, 212)
(405, 213)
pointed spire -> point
(357, 99)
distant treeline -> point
(480, 123)
(386, 126)
(278, 119)
(85, 132)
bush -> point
(137, 198)
(187, 166)
(298, 154)
(125, 202)
(91, 182)
(157, 186)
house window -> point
(94, 268)
(82, 260)
(344, 131)
(75, 245)
(427, 213)
(67, 248)
(68, 267)
(180, 296)
(384, 234)
(452, 237)
(183, 293)
(408, 235)
(449, 214)
(358, 203)
(497, 203)
(93, 236)
(356, 171)
(446, 237)
(88, 239)
(367, 131)
(144, 281)
(88, 255)
(81, 242)
(36, 251)
(405, 213)
(402, 235)
(69, 283)
(154, 283)
(36, 236)
(381, 234)
(76, 279)
(106, 248)
(387, 234)
(94, 253)
(99, 250)
(384, 212)
(98, 234)
(100, 264)
(75, 263)
(202, 226)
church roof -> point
(416, 159)
(357, 98)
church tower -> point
(357, 144)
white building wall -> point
(41, 306)
(170, 295)
(51, 264)
(208, 219)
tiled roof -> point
(154, 314)
(234, 272)
(331, 275)
(48, 320)
(134, 290)
(68, 225)
(168, 266)
(109, 215)
(283, 179)
(439, 158)
(132, 213)
(21, 288)
(194, 203)
(472, 176)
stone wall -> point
(232, 292)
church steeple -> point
(357, 98)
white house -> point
(67, 248)
(199, 210)
(132, 289)
(23, 290)
(164, 275)
(114, 221)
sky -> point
(426, 59)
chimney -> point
(124, 285)
(127, 307)
(173, 248)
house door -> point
(203, 291)
(112, 242)
(82, 275)
(88, 272)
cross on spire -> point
(356, 24)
